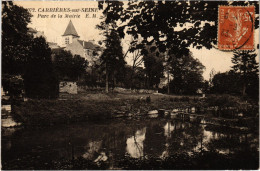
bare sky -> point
(53, 28)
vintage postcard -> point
(129, 85)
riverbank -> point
(100, 106)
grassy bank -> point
(50, 112)
(98, 106)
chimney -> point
(83, 43)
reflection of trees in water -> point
(62, 141)
(232, 143)
(184, 137)
(110, 141)
(154, 143)
(91, 149)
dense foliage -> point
(16, 43)
(187, 75)
(242, 79)
(227, 82)
(12, 85)
(175, 27)
(40, 79)
(32, 58)
(153, 68)
(246, 67)
(67, 66)
(112, 57)
(26, 56)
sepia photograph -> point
(129, 85)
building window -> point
(67, 40)
(89, 52)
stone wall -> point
(68, 87)
(123, 90)
(76, 48)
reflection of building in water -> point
(135, 144)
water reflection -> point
(92, 149)
(110, 142)
(205, 138)
(135, 144)
(168, 129)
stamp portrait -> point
(236, 27)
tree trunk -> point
(114, 80)
(145, 81)
(106, 79)
(168, 83)
(244, 84)
(131, 80)
(244, 89)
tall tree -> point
(39, 79)
(245, 64)
(136, 57)
(23, 55)
(211, 76)
(153, 67)
(112, 57)
(16, 43)
(187, 74)
(227, 82)
(68, 66)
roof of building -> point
(57, 50)
(87, 45)
(32, 30)
(70, 30)
(52, 43)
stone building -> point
(83, 48)
(36, 33)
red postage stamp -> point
(236, 27)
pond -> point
(154, 143)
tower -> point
(70, 34)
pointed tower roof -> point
(70, 30)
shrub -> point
(185, 99)
(148, 99)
